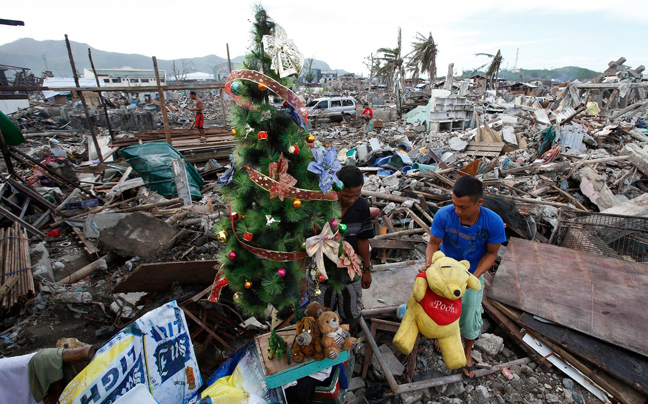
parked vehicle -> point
(334, 108)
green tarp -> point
(152, 161)
(10, 132)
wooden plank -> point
(625, 365)
(123, 89)
(599, 296)
(392, 244)
(90, 248)
(509, 325)
(158, 277)
(493, 149)
(4, 212)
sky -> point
(343, 33)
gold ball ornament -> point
(310, 139)
(233, 132)
(247, 284)
(262, 87)
(297, 203)
(317, 292)
(238, 296)
(222, 236)
(303, 245)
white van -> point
(335, 108)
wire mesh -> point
(623, 237)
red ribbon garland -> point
(277, 256)
(274, 86)
(278, 188)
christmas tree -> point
(281, 197)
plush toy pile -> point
(320, 335)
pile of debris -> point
(552, 170)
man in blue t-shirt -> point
(467, 231)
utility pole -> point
(83, 102)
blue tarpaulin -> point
(152, 161)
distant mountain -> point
(52, 55)
(567, 73)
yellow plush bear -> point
(435, 307)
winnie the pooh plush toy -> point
(435, 307)
(307, 342)
(335, 336)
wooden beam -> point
(83, 102)
(167, 133)
(209, 331)
(121, 89)
(4, 212)
(392, 244)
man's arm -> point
(362, 245)
(433, 246)
(487, 260)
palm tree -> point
(423, 57)
(493, 69)
(393, 66)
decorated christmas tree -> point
(281, 192)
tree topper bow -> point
(286, 58)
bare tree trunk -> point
(371, 71)
(432, 74)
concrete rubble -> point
(576, 150)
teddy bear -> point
(434, 308)
(315, 309)
(335, 336)
(307, 343)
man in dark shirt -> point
(357, 217)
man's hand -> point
(423, 269)
(366, 279)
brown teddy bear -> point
(335, 336)
(307, 343)
(315, 309)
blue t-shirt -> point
(467, 243)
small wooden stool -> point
(384, 325)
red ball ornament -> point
(281, 272)
(224, 282)
(294, 149)
(234, 215)
(262, 135)
(232, 255)
(321, 278)
(247, 236)
(334, 223)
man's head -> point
(365, 105)
(353, 180)
(192, 95)
(467, 196)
